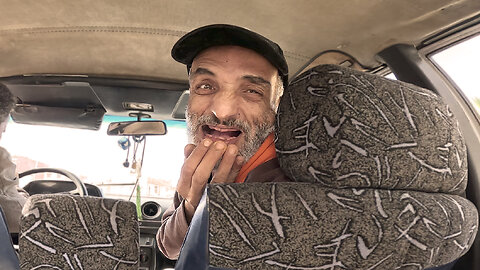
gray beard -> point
(253, 136)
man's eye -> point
(253, 91)
(205, 86)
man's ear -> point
(277, 93)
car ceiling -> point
(132, 39)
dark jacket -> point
(174, 226)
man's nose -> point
(225, 105)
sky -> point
(460, 62)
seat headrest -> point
(344, 128)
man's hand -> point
(199, 163)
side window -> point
(391, 76)
(460, 63)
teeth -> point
(222, 129)
(223, 137)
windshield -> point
(99, 159)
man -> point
(7, 102)
(12, 198)
(236, 79)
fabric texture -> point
(73, 232)
(381, 166)
(174, 226)
(344, 128)
(12, 198)
(302, 226)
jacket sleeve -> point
(174, 227)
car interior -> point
(76, 65)
(354, 218)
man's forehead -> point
(233, 58)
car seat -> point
(61, 231)
(379, 172)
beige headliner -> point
(133, 38)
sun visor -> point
(86, 118)
(69, 104)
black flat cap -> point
(192, 43)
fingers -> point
(199, 163)
(208, 163)
(188, 150)
(202, 172)
(237, 166)
(193, 160)
(193, 155)
(222, 174)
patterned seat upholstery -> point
(73, 232)
(380, 167)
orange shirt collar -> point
(265, 153)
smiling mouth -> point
(216, 133)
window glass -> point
(98, 159)
(460, 63)
(391, 76)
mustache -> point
(211, 119)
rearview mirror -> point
(137, 128)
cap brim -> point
(190, 45)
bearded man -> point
(236, 79)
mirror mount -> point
(139, 115)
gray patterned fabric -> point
(72, 232)
(383, 165)
(353, 129)
(307, 226)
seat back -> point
(381, 170)
(307, 226)
(73, 232)
(8, 257)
